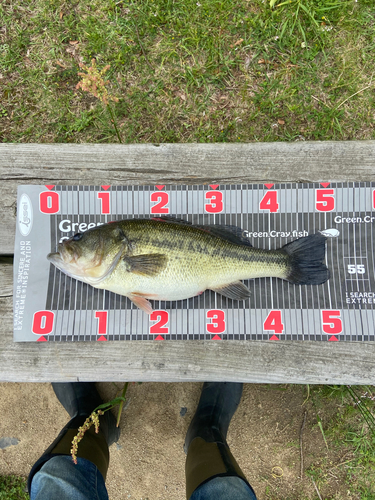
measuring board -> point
(50, 306)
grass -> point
(351, 440)
(13, 488)
(192, 71)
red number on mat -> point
(104, 198)
(331, 322)
(325, 201)
(269, 202)
(49, 202)
(217, 324)
(43, 322)
(161, 318)
(273, 322)
(162, 198)
(215, 203)
(101, 316)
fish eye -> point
(77, 236)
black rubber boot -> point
(217, 405)
(80, 399)
(208, 454)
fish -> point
(171, 259)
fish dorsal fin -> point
(230, 233)
(170, 218)
(146, 264)
(236, 291)
(233, 234)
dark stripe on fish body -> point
(180, 244)
(250, 255)
(184, 239)
(196, 247)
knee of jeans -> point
(222, 488)
(61, 479)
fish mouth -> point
(56, 257)
(65, 259)
(65, 254)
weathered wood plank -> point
(6, 277)
(174, 163)
(273, 362)
(265, 362)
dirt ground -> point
(148, 461)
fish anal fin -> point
(235, 291)
(146, 264)
(141, 302)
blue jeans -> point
(223, 488)
(61, 479)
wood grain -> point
(95, 164)
(271, 362)
(6, 276)
(168, 361)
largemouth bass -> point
(170, 259)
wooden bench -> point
(271, 362)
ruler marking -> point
(74, 302)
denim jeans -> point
(224, 488)
(61, 479)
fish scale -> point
(173, 260)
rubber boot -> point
(80, 399)
(208, 453)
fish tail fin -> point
(306, 260)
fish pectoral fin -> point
(235, 291)
(141, 302)
(147, 264)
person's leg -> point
(212, 472)
(224, 488)
(61, 479)
(55, 468)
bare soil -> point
(148, 461)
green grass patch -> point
(193, 71)
(13, 488)
(351, 439)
